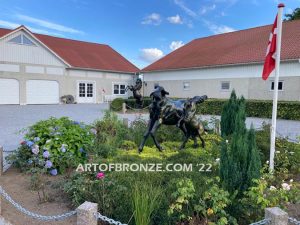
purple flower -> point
(81, 150)
(48, 164)
(35, 149)
(36, 139)
(29, 161)
(76, 122)
(29, 143)
(46, 154)
(63, 148)
(53, 172)
(94, 131)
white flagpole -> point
(275, 97)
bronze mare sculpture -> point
(174, 112)
(136, 90)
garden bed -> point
(17, 185)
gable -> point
(20, 47)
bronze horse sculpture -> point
(136, 90)
(174, 112)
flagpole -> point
(275, 96)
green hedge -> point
(254, 108)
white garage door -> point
(9, 91)
(42, 92)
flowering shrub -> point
(53, 144)
(267, 192)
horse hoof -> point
(140, 150)
(160, 149)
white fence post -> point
(86, 214)
(276, 216)
(124, 108)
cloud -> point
(187, 10)
(175, 45)
(151, 54)
(8, 24)
(12, 25)
(47, 24)
(205, 9)
(175, 19)
(218, 29)
(152, 19)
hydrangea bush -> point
(53, 144)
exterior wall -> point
(38, 54)
(246, 80)
(67, 80)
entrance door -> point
(86, 92)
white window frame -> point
(86, 81)
(119, 83)
(225, 90)
(189, 86)
(273, 81)
(22, 41)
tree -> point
(240, 162)
(253, 158)
(228, 115)
(295, 15)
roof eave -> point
(102, 70)
(212, 66)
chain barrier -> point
(261, 222)
(106, 219)
(34, 215)
(294, 221)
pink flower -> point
(100, 176)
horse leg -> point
(155, 126)
(146, 135)
(202, 140)
(195, 142)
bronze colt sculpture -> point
(136, 90)
(174, 112)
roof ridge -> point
(250, 28)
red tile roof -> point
(82, 54)
(245, 46)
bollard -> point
(125, 122)
(86, 214)
(124, 108)
(1, 161)
(276, 216)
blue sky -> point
(141, 30)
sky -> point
(141, 30)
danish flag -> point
(270, 60)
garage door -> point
(42, 92)
(9, 91)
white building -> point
(39, 69)
(217, 64)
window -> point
(21, 40)
(225, 86)
(81, 89)
(119, 89)
(186, 86)
(89, 91)
(280, 86)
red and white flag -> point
(270, 60)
